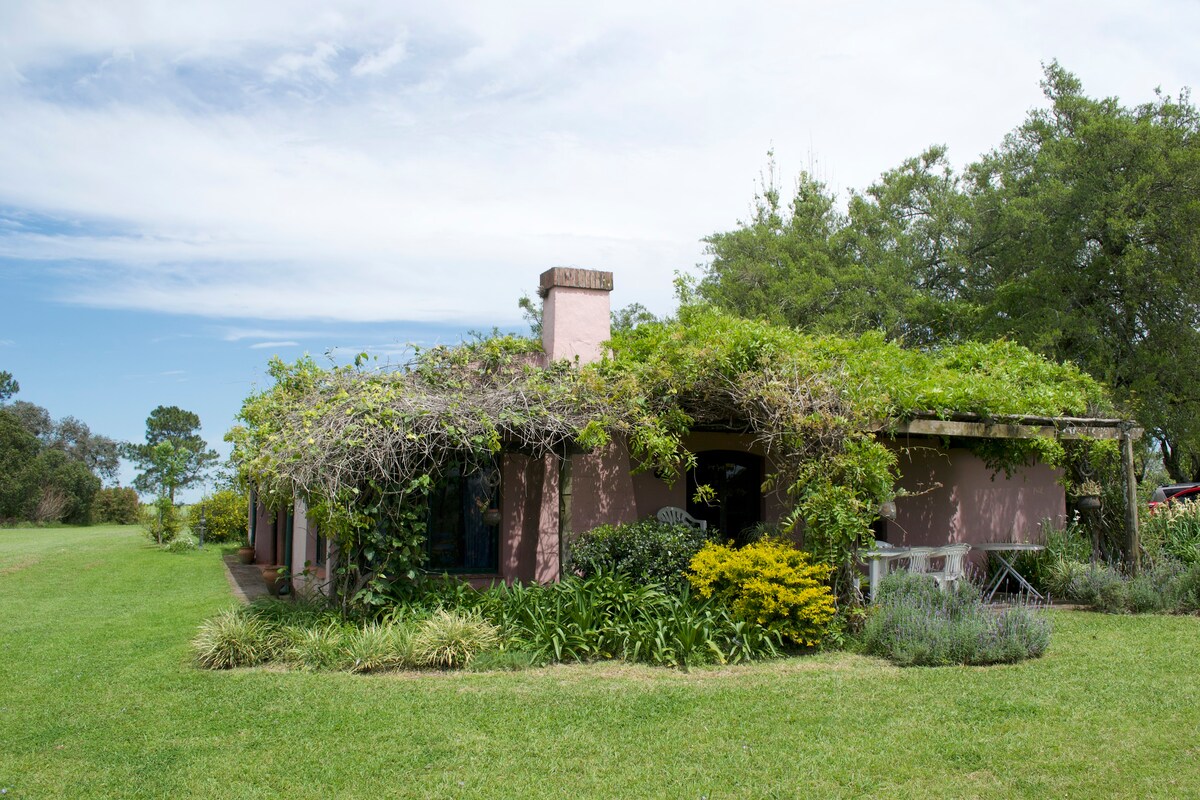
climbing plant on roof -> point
(361, 444)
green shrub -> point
(181, 544)
(160, 520)
(914, 623)
(1097, 586)
(771, 584)
(235, 638)
(1166, 585)
(226, 515)
(118, 505)
(1070, 543)
(450, 639)
(1173, 531)
(648, 551)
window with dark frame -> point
(461, 535)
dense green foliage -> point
(95, 628)
(174, 455)
(1173, 531)
(1076, 237)
(914, 622)
(160, 520)
(769, 584)
(41, 484)
(8, 385)
(648, 551)
(363, 446)
(225, 516)
(51, 468)
(117, 505)
(1167, 586)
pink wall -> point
(972, 505)
(575, 323)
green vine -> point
(363, 446)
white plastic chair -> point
(918, 559)
(677, 516)
(952, 569)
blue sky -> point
(188, 189)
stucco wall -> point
(574, 323)
(972, 505)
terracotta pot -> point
(274, 582)
(246, 554)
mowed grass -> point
(98, 699)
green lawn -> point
(98, 699)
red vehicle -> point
(1175, 493)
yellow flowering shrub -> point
(769, 583)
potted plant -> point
(276, 578)
(1088, 495)
(246, 554)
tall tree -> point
(1079, 236)
(1087, 247)
(8, 385)
(180, 429)
(893, 262)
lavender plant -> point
(915, 623)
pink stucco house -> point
(955, 497)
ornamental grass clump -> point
(769, 584)
(915, 623)
(449, 639)
(378, 647)
(235, 638)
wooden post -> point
(1132, 545)
(564, 507)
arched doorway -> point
(736, 479)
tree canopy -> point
(51, 469)
(187, 461)
(1079, 237)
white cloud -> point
(381, 61)
(263, 345)
(300, 65)
(221, 162)
(7, 343)
(240, 334)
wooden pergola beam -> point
(974, 427)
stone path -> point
(245, 580)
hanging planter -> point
(1088, 496)
(491, 516)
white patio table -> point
(880, 561)
(1006, 567)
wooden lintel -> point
(1001, 430)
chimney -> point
(575, 313)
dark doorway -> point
(736, 479)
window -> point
(736, 479)
(462, 536)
